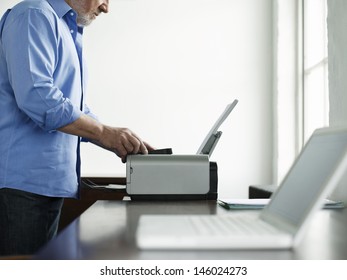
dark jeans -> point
(27, 221)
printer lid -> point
(213, 136)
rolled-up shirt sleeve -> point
(32, 52)
(89, 113)
(61, 115)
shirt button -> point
(71, 31)
(71, 14)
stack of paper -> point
(259, 203)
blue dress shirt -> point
(41, 90)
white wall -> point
(167, 68)
(337, 45)
(337, 24)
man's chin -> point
(84, 21)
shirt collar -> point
(60, 7)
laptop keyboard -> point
(225, 225)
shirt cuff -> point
(61, 115)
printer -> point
(161, 175)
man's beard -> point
(84, 20)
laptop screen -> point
(307, 178)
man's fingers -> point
(148, 147)
(133, 146)
(124, 142)
(138, 146)
(128, 146)
(121, 151)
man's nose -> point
(104, 7)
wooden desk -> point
(89, 194)
(106, 231)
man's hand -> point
(121, 141)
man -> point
(43, 117)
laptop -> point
(281, 224)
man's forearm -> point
(85, 127)
(121, 141)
